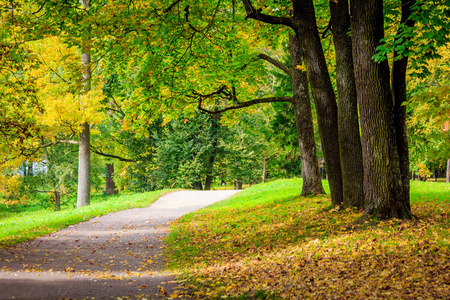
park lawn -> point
(266, 242)
(23, 226)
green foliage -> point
(57, 172)
(428, 109)
(183, 151)
(420, 42)
(245, 149)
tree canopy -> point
(126, 80)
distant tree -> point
(183, 151)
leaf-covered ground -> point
(268, 243)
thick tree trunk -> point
(84, 152)
(399, 94)
(84, 167)
(312, 184)
(110, 184)
(208, 182)
(348, 124)
(304, 24)
(383, 189)
(322, 90)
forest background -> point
(142, 95)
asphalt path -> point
(117, 256)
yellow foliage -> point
(59, 88)
(10, 193)
(423, 171)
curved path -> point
(117, 256)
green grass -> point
(429, 191)
(267, 238)
(27, 225)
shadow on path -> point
(113, 256)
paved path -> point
(109, 257)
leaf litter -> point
(298, 248)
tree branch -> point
(186, 16)
(111, 155)
(168, 9)
(244, 104)
(119, 109)
(256, 14)
(59, 142)
(276, 63)
(327, 28)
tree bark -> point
(304, 24)
(84, 152)
(110, 184)
(312, 183)
(208, 182)
(383, 189)
(305, 28)
(399, 94)
(84, 167)
(348, 124)
(448, 171)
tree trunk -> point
(197, 186)
(84, 152)
(304, 24)
(322, 90)
(84, 167)
(383, 189)
(110, 184)
(348, 124)
(30, 169)
(399, 94)
(57, 200)
(448, 172)
(25, 168)
(208, 182)
(212, 155)
(237, 184)
(312, 184)
(264, 174)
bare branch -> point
(326, 29)
(276, 63)
(111, 155)
(256, 14)
(245, 104)
(59, 142)
(186, 16)
(40, 8)
(168, 9)
(119, 109)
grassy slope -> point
(19, 227)
(267, 242)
